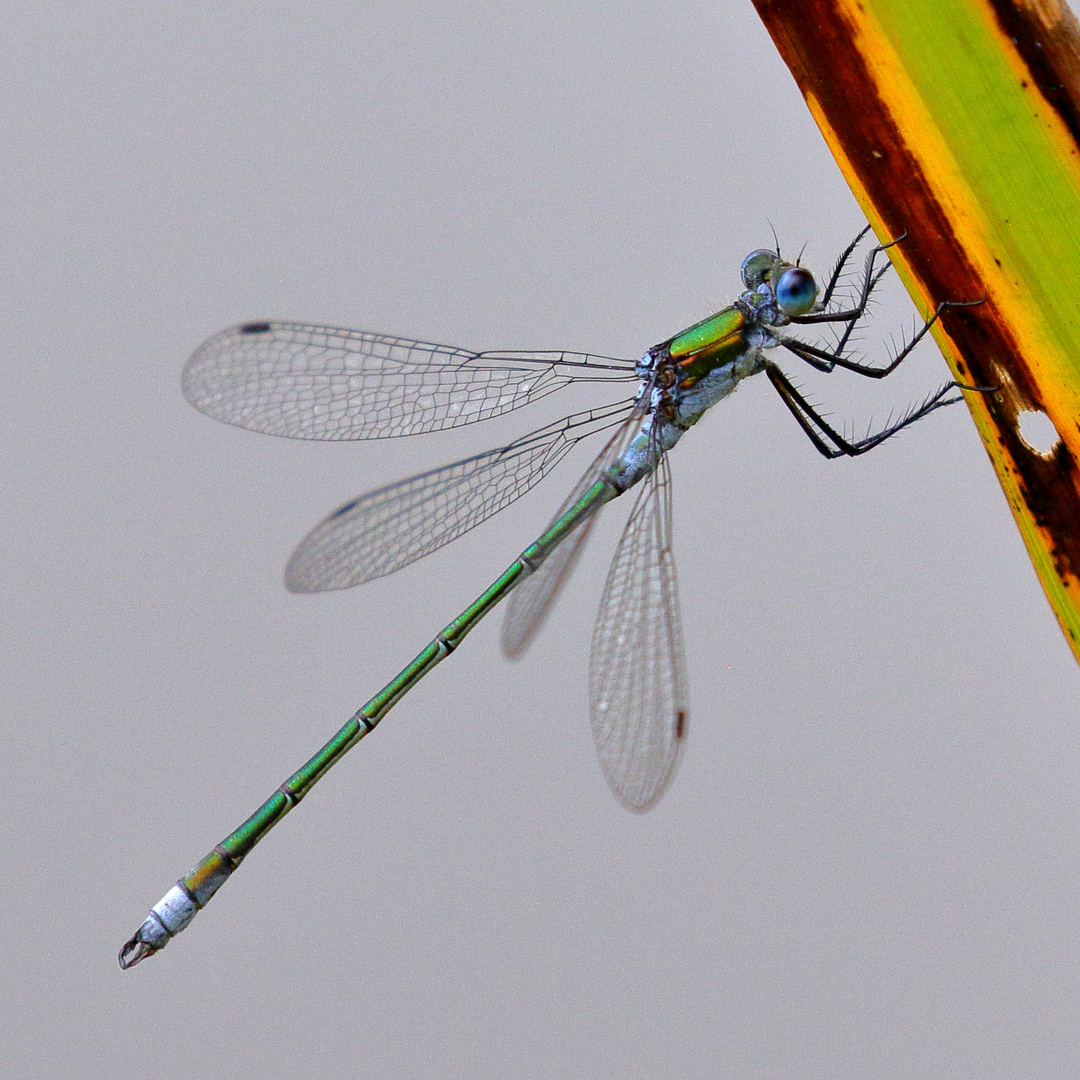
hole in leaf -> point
(1037, 431)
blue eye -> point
(757, 265)
(796, 291)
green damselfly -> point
(313, 382)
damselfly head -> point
(793, 287)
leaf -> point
(957, 122)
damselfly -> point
(313, 382)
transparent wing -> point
(637, 676)
(394, 526)
(317, 382)
(531, 602)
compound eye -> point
(757, 265)
(796, 291)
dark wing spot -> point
(255, 328)
(344, 509)
(680, 724)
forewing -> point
(318, 382)
(394, 526)
(637, 678)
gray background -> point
(867, 865)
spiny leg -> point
(825, 360)
(870, 283)
(815, 425)
(870, 279)
(838, 269)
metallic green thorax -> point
(710, 343)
